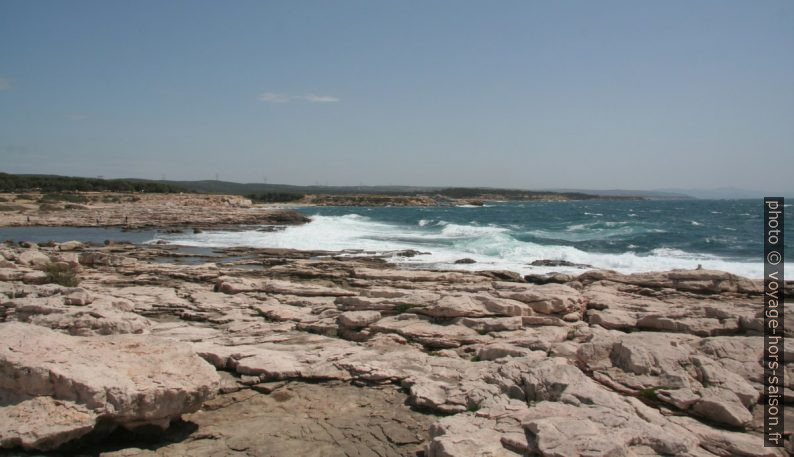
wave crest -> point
(491, 246)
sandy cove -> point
(278, 352)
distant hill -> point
(227, 187)
(54, 183)
(287, 192)
(729, 193)
(649, 194)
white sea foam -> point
(575, 227)
(591, 231)
(455, 230)
(492, 247)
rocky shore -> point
(431, 199)
(286, 353)
(139, 210)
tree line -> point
(275, 197)
(27, 183)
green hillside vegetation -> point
(275, 197)
(50, 184)
(284, 190)
(275, 193)
(510, 194)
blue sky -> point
(532, 94)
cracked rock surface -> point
(321, 354)
(331, 420)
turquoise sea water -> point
(627, 236)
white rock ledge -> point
(129, 380)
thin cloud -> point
(276, 97)
(273, 97)
(5, 84)
(320, 98)
(75, 117)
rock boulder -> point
(125, 380)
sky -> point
(525, 94)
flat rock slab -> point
(307, 420)
(663, 363)
(129, 380)
(43, 423)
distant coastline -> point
(135, 210)
(444, 200)
(51, 190)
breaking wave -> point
(492, 246)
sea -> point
(626, 236)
